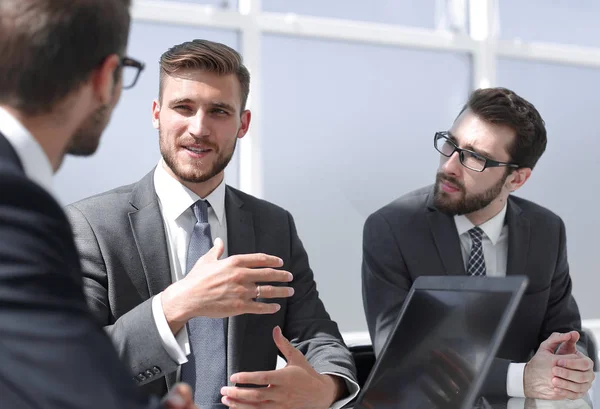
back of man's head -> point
(48, 48)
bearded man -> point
(468, 223)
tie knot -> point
(200, 209)
(476, 234)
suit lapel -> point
(8, 154)
(518, 239)
(149, 234)
(240, 240)
(446, 239)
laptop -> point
(442, 345)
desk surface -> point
(591, 400)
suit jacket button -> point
(141, 377)
(148, 374)
(156, 370)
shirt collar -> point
(35, 163)
(175, 198)
(492, 228)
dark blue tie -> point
(476, 265)
(206, 369)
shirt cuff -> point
(177, 346)
(353, 390)
(514, 380)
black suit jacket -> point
(53, 353)
(410, 237)
(121, 237)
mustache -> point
(441, 178)
(202, 142)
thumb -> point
(554, 341)
(179, 397)
(215, 252)
(291, 354)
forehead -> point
(203, 87)
(472, 132)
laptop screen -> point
(437, 350)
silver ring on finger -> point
(258, 291)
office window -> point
(565, 178)
(222, 4)
(347, 128)
(426, 13)
(572, 22)
(129, 147)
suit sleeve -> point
(53, 354)
(385, 279)
(307, 324)
(135, 334)
(562, 313)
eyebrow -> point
(222, 105)
(214, 104)
(471, 148)
(180, 101)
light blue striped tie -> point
(206, 369)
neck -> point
(483, 215)
(50, 130)
(202, 189)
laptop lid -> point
(445, 338)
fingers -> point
(256, 378)
(256, 260)
(248, 395)
(259, 308)
(291, 354)
(270, 291)
(573, 376)
(238, 404)
(554, 341)
(265, 275)
(577, 363)
(179, 397)
(215, 252)
(574, 388)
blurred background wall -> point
(346, 96)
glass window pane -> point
(564, 180)
(347, 128)
(223, 4)
(558, 21)
(129, 146)
(423, 13)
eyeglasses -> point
(469, 159)
(131, 71)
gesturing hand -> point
(551, 376)
(225, 288)
(296, 386)
(179, 397)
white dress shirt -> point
(495, 254)
(175, 202)
(33, 158)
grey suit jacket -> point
(123, 246)
(410, 237)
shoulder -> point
(109, 200)
(537, 215)
(404, 209)
(259, 207)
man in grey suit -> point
(140, 244)
(469, 223)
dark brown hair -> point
(206, 56)
(502, 106)
(48, 48)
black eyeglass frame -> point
(488, 163)
(131, 62)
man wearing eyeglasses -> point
(468, 223)
(58, 87)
